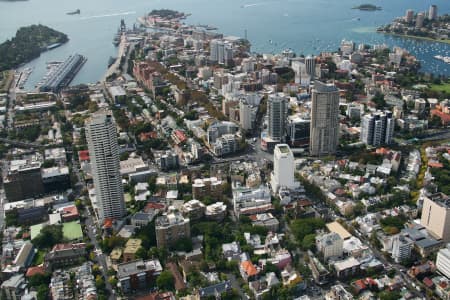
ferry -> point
(445, 59)
(75, 12)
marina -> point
(60, 75)
(21, 77)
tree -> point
(112, 281)
(48, 237)
(183, 244)
(379, 101)
(303, 227)
(124, 156)
(165, 281)
(99, 282)
(391, 295)
(39, 279)
(435, 121)
(141, 253)
(42, 292)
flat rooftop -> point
(339, 229)
(284, 148)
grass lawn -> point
(38, 258)
(72, 231)
(441, 87)
(128, 197)
(36, 229)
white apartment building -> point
(283, 168)
(101, 137)
(330, 245)
(401, 248)
(324, 135)
(443, 261)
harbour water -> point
(305, 26)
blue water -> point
(306, 26)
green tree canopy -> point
(166, 281)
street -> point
(100, 257)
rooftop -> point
(339, 229)
(170, 219)
(132, 246)
(138, 266)
(324, 88)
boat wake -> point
(254, 4)
(109, 15)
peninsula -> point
(368, 7)
(28, 44)
(421, 25)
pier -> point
(64, 74)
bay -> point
(305, 26)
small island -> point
(167, 14)
(163, 18)
(28, 44)
(368, 7)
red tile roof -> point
(59, 247)
(153, 205)
(70, 211)
(83, 155)
(445, 118)
(108, 223)
(427, 281)
(35, 270)
(434, 164)
(249, 268)
(181, 136)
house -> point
(338, 292)
(266, 220)
(420, 271)
(292, 279)
(231, 251)
(248, 270)
(141, 219)
(69, 213)
(261, 286)
(214, 290)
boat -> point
(445, 59)
(116, 40)
(75, 12)
(111, 61)
(53, 46)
